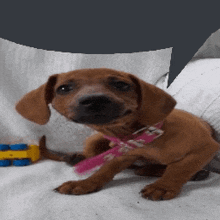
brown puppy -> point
(117, 104)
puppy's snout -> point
(97, 109)
(94, 103)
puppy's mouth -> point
(100, 119)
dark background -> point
(112, 27)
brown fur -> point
(184, 149)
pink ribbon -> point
(121, 146)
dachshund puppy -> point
(117, 104)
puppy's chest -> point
(147, 144)
(156, 152)
(143, 161)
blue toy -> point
(18, 154)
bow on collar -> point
(121, 146)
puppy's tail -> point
(49, 154)
(70, 159)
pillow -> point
(24, 69)
(211, 47)
(197, 90)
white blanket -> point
(26, 193)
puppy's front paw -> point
(78, 187)
(159, 192)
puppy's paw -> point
(78, 187)
(157, 192)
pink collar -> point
(121, 146)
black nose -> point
(94, 103)
(96, 109)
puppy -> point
(117, 104)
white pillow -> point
(197, 90)
(23, 69)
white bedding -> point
(27, 192)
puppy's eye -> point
(120, 85)
(64, 89)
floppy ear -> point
(154, 103)
(34, 105)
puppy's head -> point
(97, 97)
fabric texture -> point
(197, 90)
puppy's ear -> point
(154, 104)
(34, 105)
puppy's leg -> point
(178, 173)
(94, 145)
(157, 170)
(104, 175)
(167, 187)
(154, 170)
